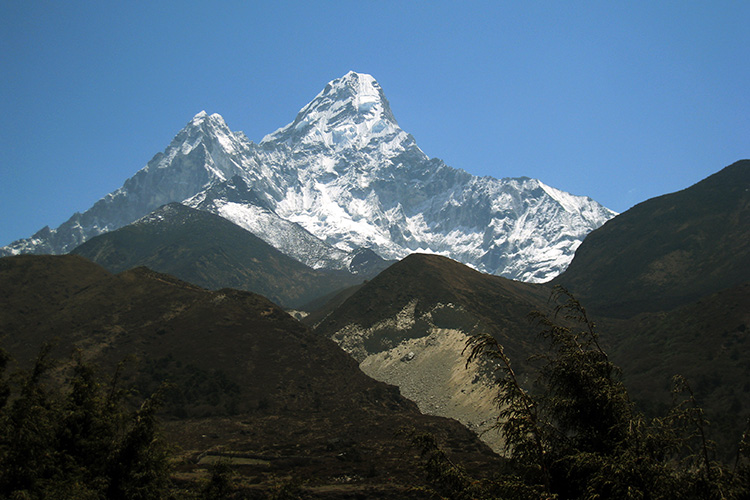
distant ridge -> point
(212, 252)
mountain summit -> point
(351, 111)
(344, 176)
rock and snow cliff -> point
(342, 176)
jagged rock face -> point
(236, 201)
(196, 159)
(342, 176)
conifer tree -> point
(77, 441)
(140, 467)
(578, 435)
(27, 453)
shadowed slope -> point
(247, 377)
(668, 280)
(669, 250)
(211, 252)
(409, 326)
(482, 301)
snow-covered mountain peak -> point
(209, 138)
(199, 117)
(343, 176)
(365, 93)
(207, 123)
(350, 112)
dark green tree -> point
(524, 429)
(28, 429)
(139, 469)
(77, 440)
(578, 435)
(219, 485)
(92, 419)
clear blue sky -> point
(620, 101)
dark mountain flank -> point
(211, 252)
(247, 379)
(409, 326)
(705, 341)
(153, 316)
(669, 283)
(669, 250)
(437, 292)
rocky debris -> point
(432, 372)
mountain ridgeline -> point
(669, 280)
(340, 177)
(407, 268)
(211, 252)
(669, 250)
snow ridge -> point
(342, 176)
